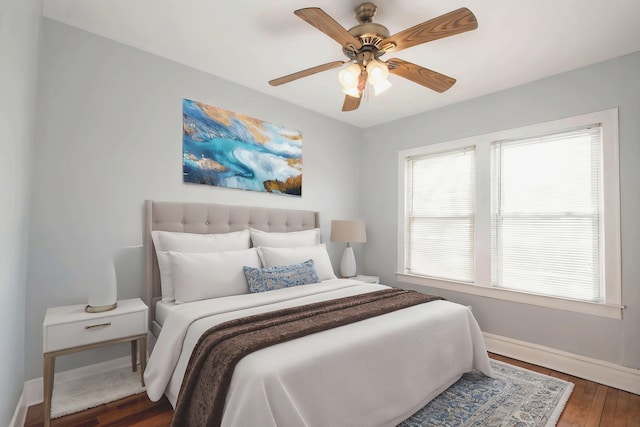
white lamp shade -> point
(349, 231)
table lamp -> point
(105, 294)
(351, 231)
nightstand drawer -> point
(83, 332)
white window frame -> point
(610, 219)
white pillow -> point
(272, 257)
(285, 240)
(165, 241)
(199, 276)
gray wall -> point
(109, 136)
(20, 24)
(614, 83)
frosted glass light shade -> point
(349, 76)
(380, 87)
(378, 72)
(105, 293)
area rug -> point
(514, 397)
(83, 393)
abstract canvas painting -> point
(227, 149)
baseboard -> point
(20, 413)
(595, 370)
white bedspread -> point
(376, 372)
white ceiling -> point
(250, 42)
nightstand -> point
(366, 279)
(70, 329)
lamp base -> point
(100, 308)
(348, 263)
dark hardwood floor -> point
(590, 405)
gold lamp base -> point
(100, 308)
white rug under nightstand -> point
(83, 393)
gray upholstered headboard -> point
(210, 218)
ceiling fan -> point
(368, 41)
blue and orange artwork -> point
(226, 149)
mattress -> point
(163, 309)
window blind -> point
(440, 215)
(546, 214)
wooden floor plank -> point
(595, 414)
(586, 402)
(633, 411)
(621, 410)
(572, 409)
(609, 410)
(590, 405)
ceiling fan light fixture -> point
(380, 87)
(378, 72)
(349, 76)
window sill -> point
(604, 310)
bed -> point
(374, 372)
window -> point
(440, 199)
(528, 215)
(546, 214)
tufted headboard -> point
(210, 218)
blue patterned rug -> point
(514, 397)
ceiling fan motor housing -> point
(369, 33)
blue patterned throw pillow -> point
(283, 276)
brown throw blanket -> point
(208, 375)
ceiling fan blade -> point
(305, 73)
(449, 24)
(325, 23)
(423, 76)
(351, 103)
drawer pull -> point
(97, 326)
